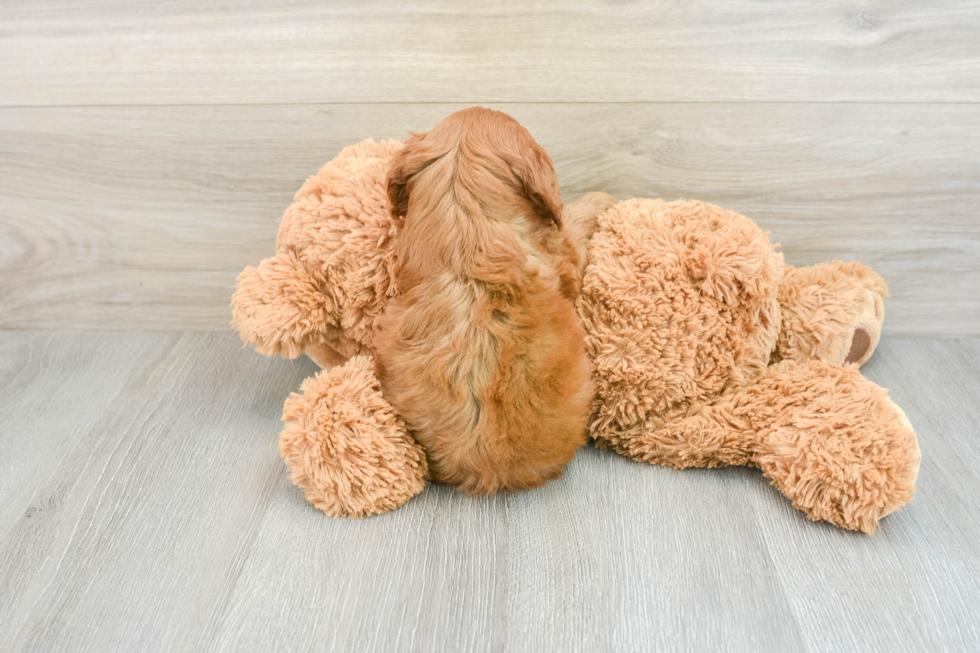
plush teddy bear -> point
(708, 350)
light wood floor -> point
(143, 507)
(147, 151)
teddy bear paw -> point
(849, 456)
(832, 312)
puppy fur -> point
(481, 352)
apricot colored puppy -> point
(481, 351)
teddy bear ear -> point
(279, 306)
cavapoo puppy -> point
(481, 352)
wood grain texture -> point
(141, 466)
(61, 52)
(141, 217)
(915, 585)
(148, 510)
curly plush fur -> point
(332, 275)
(679, 303)
(832, 312)
(708, 350)
(346, 447)
(682, 307)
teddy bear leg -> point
(831, 312)
(839, 448)
(828, 438)
(345, 446)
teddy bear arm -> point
(832, 312)
(345, 446)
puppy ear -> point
(538, 184)
(403, 167)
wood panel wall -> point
(147, 150)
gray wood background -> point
(143, 507)
(147, 150)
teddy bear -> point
(708, 350)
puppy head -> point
(484, 153)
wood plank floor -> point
(147, 152)
(143, 506)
